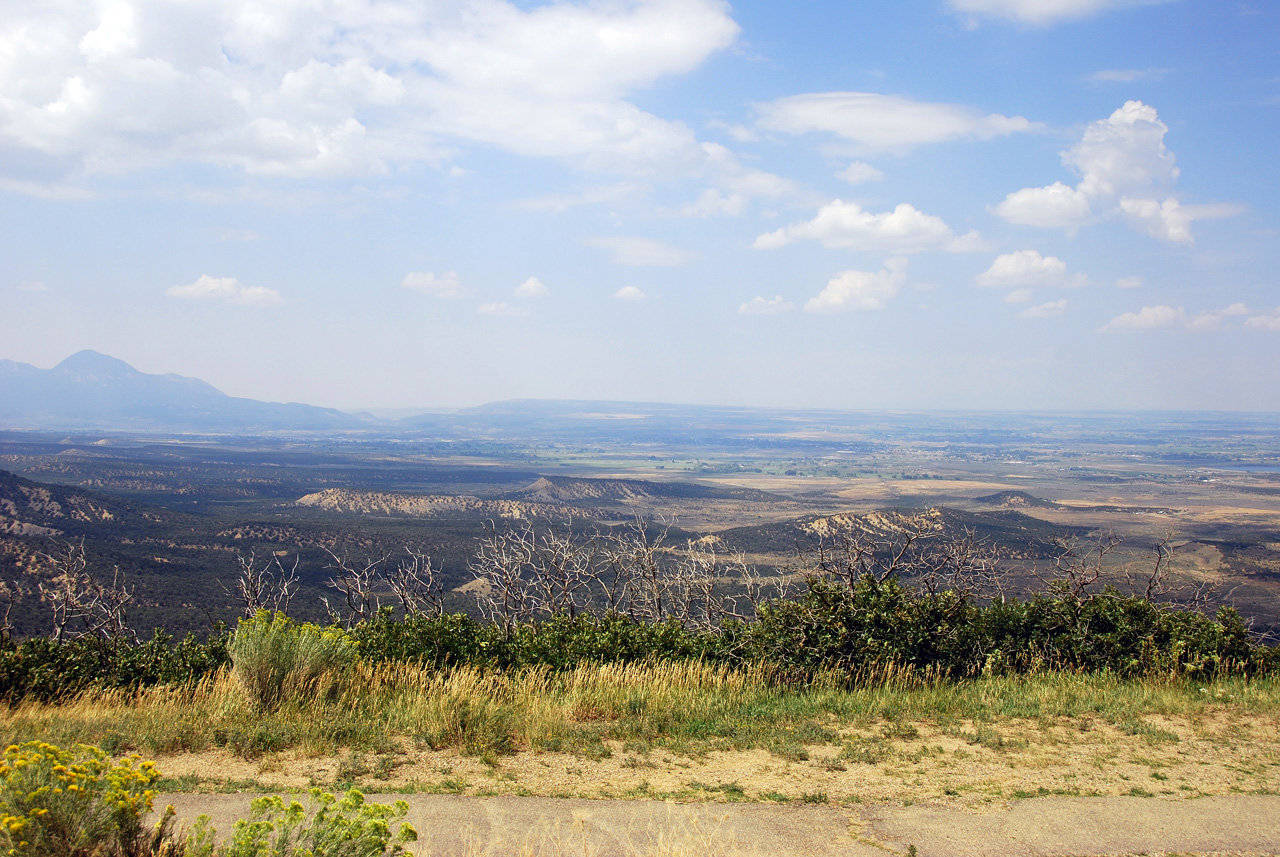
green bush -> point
(331, 827)
(275, 658)
(861, 630)
(40, 669)
(865, 632)
(75, 803)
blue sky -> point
(986, 204)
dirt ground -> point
(975, 767)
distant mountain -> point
(561, 489)
(92, 390)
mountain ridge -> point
(94, 390)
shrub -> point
(331, 827)
(75, 803)
(275, 658)
(41, 669)
(874, 625)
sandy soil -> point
(967, 765)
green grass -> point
(686, 708)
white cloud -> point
(501, 308)
(600, 194)
(875, 122)
(1123, 153)
(1052, 309)
(1019, 296)
(1027, 268)
(1055, 206)
(1170, 220)
(760, 306)
(226, 289)
(33, 286)
(446, 285)
(1125, 169)
(1044, 12)
(1129, 283)
(1176, 318)
(860, 173)
(1128, 75)
(860, 290)
(846, 225)
(532, 288)
(629, 293)
(713, 202)
(1217, 319)
(642, 252)
(1148, 318)
(344, 89)
(1264, 322)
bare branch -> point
(260, 588)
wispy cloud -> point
(1165, 317)
(1128, 75)
(874, 122)
(446, 285)
(501, 308)
(640, 252)
(1044, 12)
(1052, 309)
(760, 306)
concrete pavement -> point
(1043, 827)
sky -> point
(884, 204)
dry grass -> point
(698, 732)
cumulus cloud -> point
(1164, 317)
(446, 285)
(1043, 12)
(1129, 283)
(1052, 309)
(629, 293)
(640, 252)
(1125, 169)
(1057, 206)
(760, 306)
(501, 308)
(1026, 268)
(225, 289)
(860, 290)
(846, 225)
(1170, 220)
(875, 122)
(345, 89)
(1123, 153)
(860, 173)
(532, 288)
